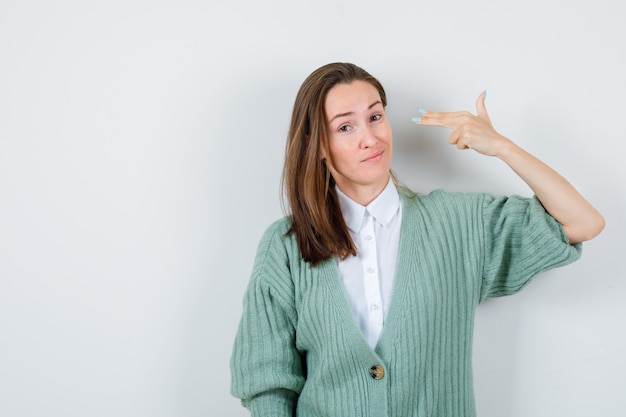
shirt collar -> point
(383, 208)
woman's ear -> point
(322, 152)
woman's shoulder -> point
(461, 204)
(443, 197)
(274, 251)
(276, 233)
(279, 226)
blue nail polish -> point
(423, 111)
(485, 94)
(416, 119)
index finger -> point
(442, 119)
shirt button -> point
(377, 372)
(374, 307)
(370, 270)
(368, 238)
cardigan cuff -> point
(276, 403)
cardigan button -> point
(377, 372)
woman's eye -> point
(345, 128)
(376, 117)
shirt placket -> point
(371, 279)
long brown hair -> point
(316, 218)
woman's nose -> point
(368, 138)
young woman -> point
(362, 300)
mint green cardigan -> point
(299, 351)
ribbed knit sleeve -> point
(266, 368)
(520, 240)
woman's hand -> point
(468, 131)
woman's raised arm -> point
(580, 220)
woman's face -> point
(359, 140)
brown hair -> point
(316, 218)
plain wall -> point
(141, 147)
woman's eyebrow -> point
(350, 112)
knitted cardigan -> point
(299, 351)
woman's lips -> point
(374, 157)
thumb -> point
(481, 110)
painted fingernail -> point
(416, 119)
(423, 111)
(485, 94)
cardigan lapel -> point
(407, 255)
(407, 269)
(329, 273)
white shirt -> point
(368, 277)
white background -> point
(141, 147)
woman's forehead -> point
(349, 98)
